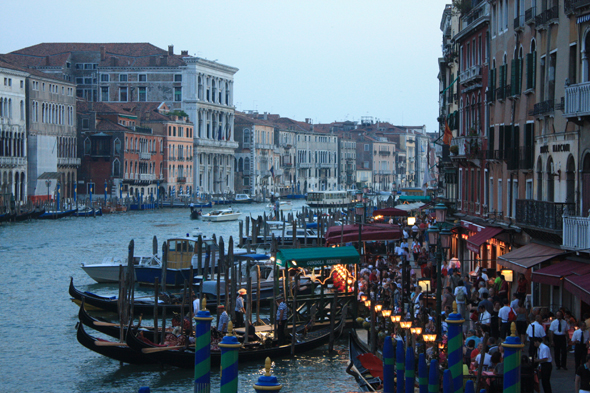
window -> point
(178, 78)
(491, 201)
(514, 197)
(22, 84)
(142, 77)
(79, 81)
(142, 94)
(87, 81)
(367, 147)
(122, 94)
(85, 124)
(500, 196)
(104, 77)
(123, 78)
(104, 93)
(572, 64)
(178, 94)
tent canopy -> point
(390, 212)
(552, 275)
(337, 230)
(475, 241)
(413, 198)
(523, 258)
(317, 256)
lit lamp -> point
(429, 338)
(396, 318)
(416, 330)
(378, 307)
(445, 238)
(405, 324)
(386, 313)
(367, 303)
(359, 209)
(424, 285)
(433, 234)
(363, 298)
(441, 212)
(411, 220)
(508, 275)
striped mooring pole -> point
(229, 361)
(469, 387)
(410, 369)
(203, 350)
(512, 348)
(267, 382)
(388, 366)
(399, 365)
(433, 383)
(455, 345)
(422, 373)
(448, 381)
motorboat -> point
(108, 269)
(243, 198)
(221, 215)
(281, 205)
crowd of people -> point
(489, 304)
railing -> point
(518, 22)
(64, 161)
(547, 16)
(471, 74)
(576, 233)
(147, 177)
(12, 161)
(469, 146)
(181, 179)
(543, 108)
(526, 155)
(577, 99)
(501, 92)
(529, 15)
(570, 6)
(384, 152)
(541, 214)
(145, 155)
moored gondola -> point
(29, 215)
(54, 215)
(364, 377)
(113, 350)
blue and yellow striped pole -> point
(388, 366)
(455, 348)
(433, 381)
(410, 369)
(203, 350)
(267, 382)
(399, 365)
(229, 361)
(512, 348)
(422, 374)
(448, 382)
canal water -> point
(39, 348)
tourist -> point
(487, 360)
(447, 298)
(521, 320)
(522, 286)
(544, 359)
(583, 377)
(580, 342)
(503, 287)
(196, 304)
(485, 319)
(461, 295)
(535, 330)
(239, 309)
(473, 337)
(281, 319)
(504, 314)
(559, 337)
(223, 319)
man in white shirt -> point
(580, 340)
(535, 330)
(485, 319)
(503, 317)
(487, 360)
(544, 359)
(559, 336)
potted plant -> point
(454, 149)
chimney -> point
(170, 50)
(103, 53)
(184, 52)
(46, 60)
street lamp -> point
(441, 239)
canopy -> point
(579, 286)
(475, 241)
(390, 212)
(390, 234)
(346, 229)
(317, 256)
(523, 258)
(552, 275)
(409, 206)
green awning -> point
(415, 198)
(317, 256)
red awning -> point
(552, 275)
(390, 212)
(523, 258)
(475, 241)
(346, 229)
(579, 286)
(393, 233)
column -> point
(267, 382)
(512, 349)
(433, 377)
(448, 382)
(455, 345)
(422, 374)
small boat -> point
(195, 213)
(221, 215)
(89, 212)
(31, 214)
(7, 217)
(121, 208)
(54, 215)
(282, 206)
(294, 196)
(243, 198)
(108, 269)
(368, 379)
(114, 350)
(221, 200)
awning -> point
(475, 241)
(523, 258)
(390, 212)
(552, 275)
(414, 198)
(409, 206)
(583, 18)
(337, 230)
(317, 256)
(579, 286)
(366, 236)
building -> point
(347, 162)
(138, 72)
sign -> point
(558, 148)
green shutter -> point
(534, 69)
(513, 76)
(518, 91)
(529, 71)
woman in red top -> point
(522, 286)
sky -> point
(328, 60)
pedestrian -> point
(503, 287)
(580, 342)
(461, 295)
(485, 319)
(239, 309)
(544, 360)
(583, 377)
(196, 304)
(533, 331)
(559, 337)
(281, 320)
(504, 315)
(223, 319)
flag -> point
(448, 135)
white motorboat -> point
(282, 206)
(243, 198)
(221, 215)
(108, 269)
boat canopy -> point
(317, 256)
(256, 257)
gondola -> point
(185, 358)
(109, 328)
(366, 381)
(89, 212)
(110, 349)
(54, 215)
(145, 307)
(29, 215)
(195, 213)
(7, 217)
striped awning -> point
(583, 18)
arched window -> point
(116, 168)
(246, 136)
(117, 146)
(87, 146)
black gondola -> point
(7, 217)
(29, 215)
(54, 215)
(121, 352)
(195, 213)
(111, 304)
(366, 381)
(108, 328)
(185, 358)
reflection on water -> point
(37, 319)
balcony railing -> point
(68, 161)
(384, 152)
(181, 179)
(529, 15)
(469, 147)
(570, 6)
(542, 108)
(471, 74)
(576, 233)
(526, 157)
(12, 161)
(547, 16)
(541, 214)
(518, 22)
(145, 155)
(577, 100)
(147, 177)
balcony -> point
(541, 215)
(384, 153)
(570, 6)
(519, 23)
(576, 233)
(181, 179)
(543, 108)
(469, 147)
(471, 75)
(529, 15)
(68, 161)
(286, 165)
(12, 161)
(502, 92)
(526, 158)
(145, 155)
(147, 177)
(577, 100)
(546, 17)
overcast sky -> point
(326, 60)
